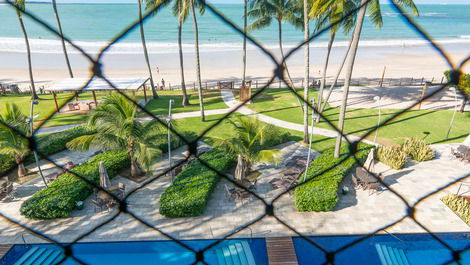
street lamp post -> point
(314, 116)
(377, 99)
(31, 123)
(169, 136)
(455, 110)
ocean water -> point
(93, 25)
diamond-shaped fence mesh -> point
(279, 73)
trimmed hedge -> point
(459, 206)
(417, 149)
(47, 144)
(191, 190)
(320, 193)
(59, 199)
(392, 156)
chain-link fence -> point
(278, 74)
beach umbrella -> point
(104, 178)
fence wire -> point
(278, 74)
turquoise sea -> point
(93, 25)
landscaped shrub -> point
(274, 136)
(392, 156)
(62, 195)
(459, 206)
(320, 193)
(47, 144)
(191, 190)
(417, 149)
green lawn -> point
(281, 104)
(212, 100)
(46, 107)
(224, 130)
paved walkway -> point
(356, 212)
(229, 99)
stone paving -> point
(356, 213)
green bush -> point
(392, 156)
(417, 149)
(47, 144)
(459, 206)
(191, 190)
(320, 193)
(274, 136)
(60, 197)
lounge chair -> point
(6, 190)
(51, 177)
(100, 205)
(462, 152)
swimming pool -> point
(246, 251)
(412, 249)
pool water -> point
(418, 249)
(146, 252)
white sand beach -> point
(412, 61)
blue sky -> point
(240, 1)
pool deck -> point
(281, 251)
(357, 212)
(4, 250)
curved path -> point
(229, 99)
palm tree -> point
(307, 66)
(264, 11)
(12, 143)
(118, 128)
(181, 11)
(20, 8)
(196, 47)
(146, 55)
(59, 25)
(376, 17)
(245, 25)
(332, 12)
(250, 136)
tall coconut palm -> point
(245, 25)
(64, 48)
(265, 11)
(12, 143)
(250, 136)
(118, 128)
(144, 46)
(192, 4)
(306, 65)
(373, 8)
(21, 6)
(329, 11)
(181, 11)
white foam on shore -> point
(91, 47)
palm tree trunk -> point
(198, 65)
(282, 52)
(337, 76)
(64, 48)
(356, 36)
(180, 50)
(285, 63)
(21, 170)
(136, 171)
(462, 105)
(307, 69)
(146, 55)
(245, 4)
(325, 67)
(30, 67)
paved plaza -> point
(356, 213)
